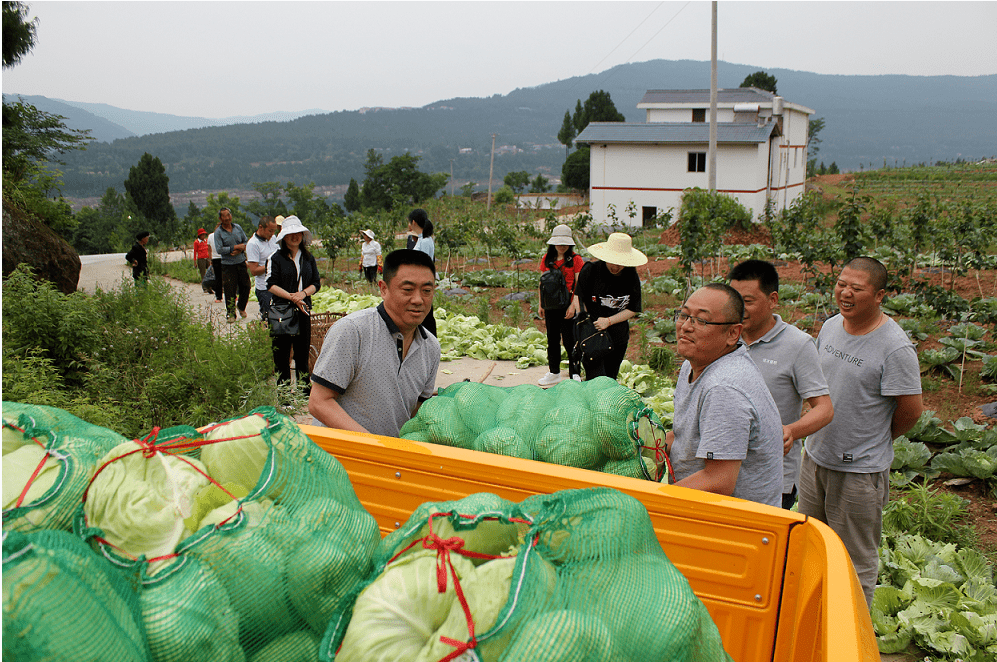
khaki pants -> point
(852, 505)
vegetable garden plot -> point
(597, 425)
(243, 538)
(49, 457)
(575, 575)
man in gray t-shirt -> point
(727, 436)
(871, 368)
(787, 359)
(378, 365)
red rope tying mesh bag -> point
(243, 537)
(576, 575)
(49, 456)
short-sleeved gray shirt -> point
(865, 374)
(361, 360)
(728, 414)
(787, 359)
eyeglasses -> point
(698, 322)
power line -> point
(659, 31)
(653, 37)
(625, 38)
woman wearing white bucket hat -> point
(609, 291)
(559, 319)
(292, 274)
(370, 251)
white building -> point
(761, 152)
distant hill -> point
(101, 128)
(868, 119)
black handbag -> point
(590, 343)
(283, 318)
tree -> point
(149, 186)
(32, 137)
(814, 127)
(352, 198)
(541, 184)
(599, 107)
(504, 196)
(762, 81)
(106, 228)
(398, 182)
(269, 203)
(18, 33)
(575, 171)
(517, 180)
(566, 135)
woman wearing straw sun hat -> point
(609, 291)
(559, 320)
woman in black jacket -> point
(292, 274)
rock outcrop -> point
(26, 240)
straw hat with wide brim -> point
(618, 249)
(292, 224)
(368, 233)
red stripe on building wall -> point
(679, 190)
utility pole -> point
(711, 159)
(491, 169)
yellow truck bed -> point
(779, 585)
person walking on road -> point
(202, 256)
(259, 248)
(560, 320)
(138, 258)
(230, 242)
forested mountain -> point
(868, 119)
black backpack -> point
(554, 291)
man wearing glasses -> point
(727, 434)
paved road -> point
(107, 272)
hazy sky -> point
(218, 59)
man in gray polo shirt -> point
(787, 359)
(875, 381)
(378, 365)
(727, 436)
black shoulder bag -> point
(590, 343)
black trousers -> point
(235, 277)
(430, 322)
(609, 365)
(560, 330)
(282, 346)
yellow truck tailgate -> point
(779, 585)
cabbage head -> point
(242, 458)
(486, 592)
(18, 466)
(140, 503)
(395, 616)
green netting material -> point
(575, 576)
(62, 601)
(49, 456)
(268, 549)
(598, 424)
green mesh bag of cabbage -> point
(49, 456)
(574, 576)
(597, 424)
(62, 601)
(244, 537)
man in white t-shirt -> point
(787, 359)
(259, 248)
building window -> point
(697, 161)
(698, 114)
(648, 214)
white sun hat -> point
(618, 249)
(561, 236)
(291, 225)
(369, 233)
